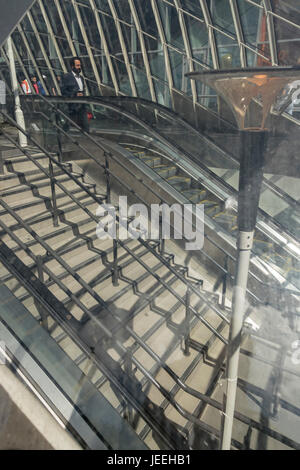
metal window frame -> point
(187, 46)
(105, 46)
(67, 34)
(211, 35)
(87, 43)
(4, 56)
(271, 32)
(65, 27)
(19, 59)
(239, 31)
(43, 50)
(139, 30)
(123, 47)
(52, 36)
(30, 53)
(163, 40)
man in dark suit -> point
(73, 86)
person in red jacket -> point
(35, 85)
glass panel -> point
(171, 24)
(157, 64)
(26, 25)
(123, 10)
(123, 79)
(141, 83)
(254, 22)
(105, 72)
(146, 17)
(221, 16)
(287, 35)
(249, 16)
(91, 28)
(64, 373)
(162, 93)
(129, 36)
(54, 18)
(177, 65)
(192, 7)
(38, 18)
(204, 170)
(103, 5)
(198, 37)
(228, 51)
(111, 35)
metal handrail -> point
(58, 312)
(205, 137)
(202, 135)
(103, 148)
(164, 392)
(143, 242)
(102, 101)
(48, 249)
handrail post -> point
(41, 310)
(107, 175)
(115, 277)
(187, 322)
(162, 240)
(224, 284)
(128, 411)
(15, 86)
(1, 163)
(59, 144)
(53, 193)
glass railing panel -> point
(224, 168)
(280, 194)
(63, 371)
(260, 375)
(203, 151)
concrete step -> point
(180, 182)
(12, 180)
(41, 213)
(165, 170)
(40, 188)
(36, 205)
(24, 164)
(195, 195)
(151, 160)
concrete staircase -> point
(142, 324)
(154, 334)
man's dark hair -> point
(72, 61)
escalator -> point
(157, 141)
(146, 327)
(205, 174)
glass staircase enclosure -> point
(145, 328)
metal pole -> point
(53, 193)
(252, 146)
(42, 311)
(107, 175)
(15, 87)
(244, 251)
(1, 163)
(224, 284)
(187, 321)
(115, 276)
(59, 144)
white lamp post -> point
(15, 87)
(239, 87)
